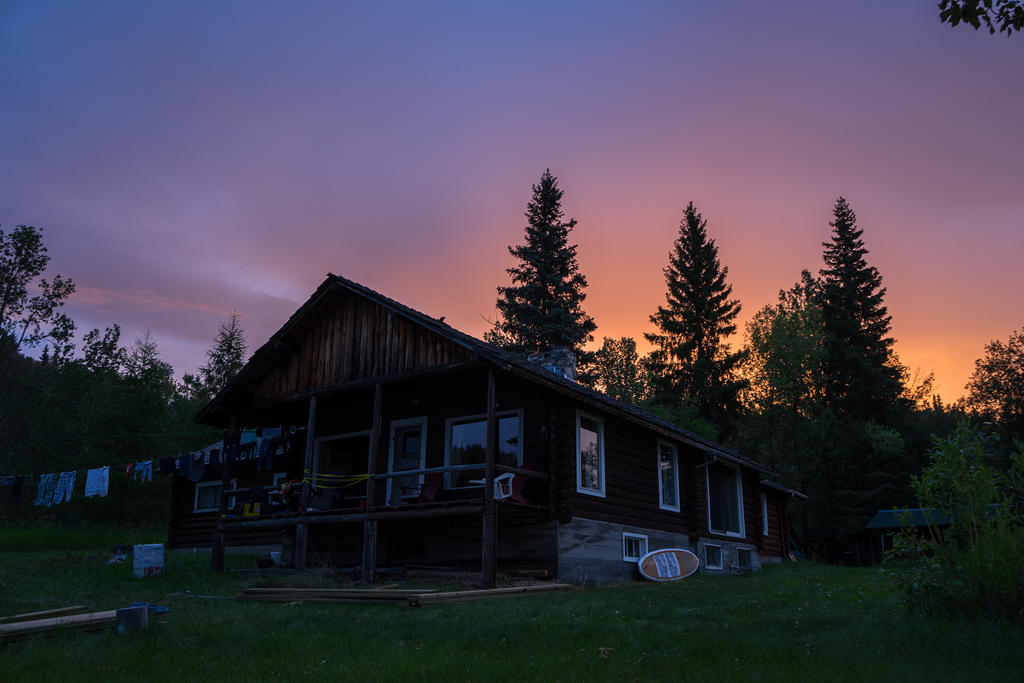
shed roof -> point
(910, 517)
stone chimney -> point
(560, 360)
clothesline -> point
(237, 445)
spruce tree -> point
(542, 308)
(863, 379)
(690, 359)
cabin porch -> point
(402, 464)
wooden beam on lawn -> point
(426, 599)
(369, 568)
(88, 620)
(28, 616)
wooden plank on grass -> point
(40, 615)
(89, 620)
(426, 599)
(327, 594)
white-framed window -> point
(634, 546)
(408, 451)
(712, 556)
(589, 454)
(207, 496)
(668, 477)
(743, 558)
(465, 443)
(725, 499)
(764, 515)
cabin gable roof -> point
(346, 332)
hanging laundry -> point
(44, 494)
(97, 480)
(232, 445)
(128, 469)
(213, 457)
(265, 444)
(166, 466)
(196, 467)
(65, 485)
(144, 471)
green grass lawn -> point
(786, 623)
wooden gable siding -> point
(355, 339)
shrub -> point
(975, 565)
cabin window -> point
(668, 476)
(712, 556)
(589, 454)
(336, 460)
(466, 444)
(408, 451)
(743, 558)
(764, 515)
(634, 546)
(207, 496)
(725, 499)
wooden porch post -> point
(219, 541)
(488, 540)
(301, 537)
(370, 525)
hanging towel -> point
(96, 482)
(144, 471)
(166, 466)
(196, 467)
(232, 445)
(65, 485)
(44, 494)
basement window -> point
(712, 556)
(743, 558)
(634, 546)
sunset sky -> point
(189, 158)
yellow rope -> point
(334, 481)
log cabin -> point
(410, 443)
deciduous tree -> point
(620, 372)
(996, 15)
(30, 307)
(996, 389)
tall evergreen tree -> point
(542, 308)
(863, 376)
(690, 359)
(223, 361)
